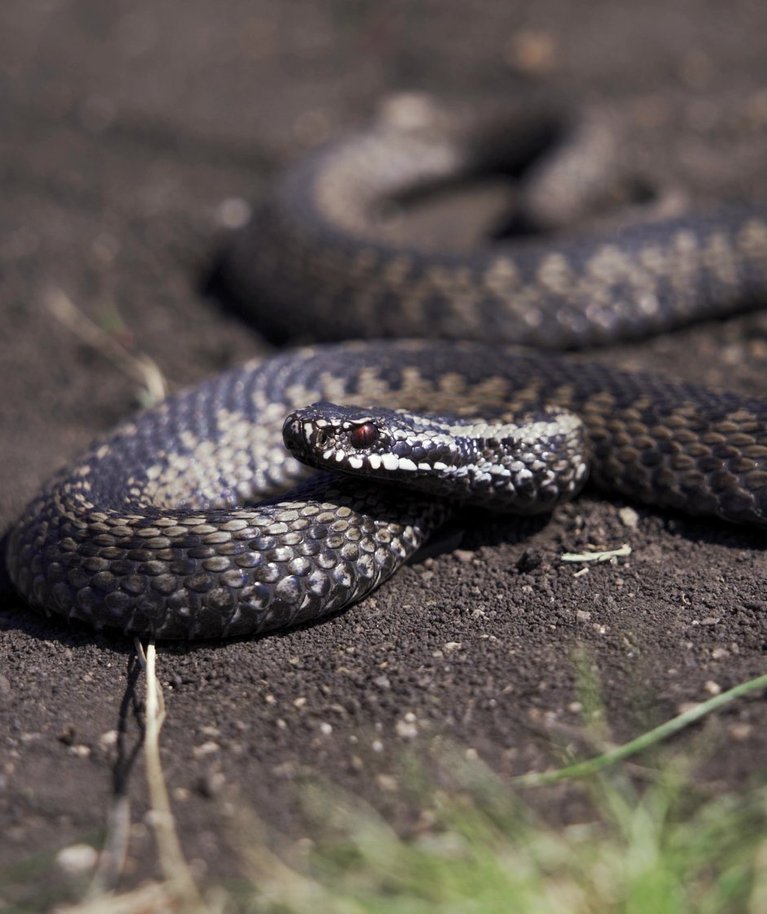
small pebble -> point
(529, 561)
(108, 738)
(77, 860)
(406, 728)
(208, 748)
(531, 51)
(629, 517)
(740, 731)
(387, 782)
(233, 213)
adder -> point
(192, 520)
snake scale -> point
(192, 521)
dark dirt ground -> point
(125, 128)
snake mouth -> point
(350, 440)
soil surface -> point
(133, 135)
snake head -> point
(526, 464)
(378, 443)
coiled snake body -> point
(160, 528)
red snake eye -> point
(363, 435)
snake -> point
(199, 517)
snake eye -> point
(363, 435)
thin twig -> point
(174, 866)
(138, 366)
(114, 852)
(601, 555)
